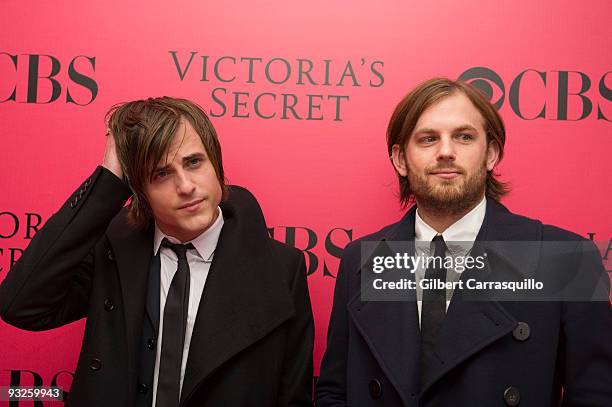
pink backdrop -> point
(328, 177)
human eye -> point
(465, 137)
(194, 162)
(427, 139)
(160, 175)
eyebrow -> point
(185, 159)
(193, 155)
(465, 127)
(427, 130)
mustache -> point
(443, 166)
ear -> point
(492, 155)
(398, 158)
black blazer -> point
(489, 353)
(253, 338)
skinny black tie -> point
(433, 308)
(175, 326)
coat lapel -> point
(153, 293)
(132, 250)
(390, 328)
(470, 326)
(243, 300)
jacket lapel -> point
(132, 251)
(470, 326)
(243, 300)
(153, 293)
(390, 328)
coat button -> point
(108, 305)
(143, 388)
(512, 396)
(151, 343)
(95, 364)
(110, 256)
(521, 332)
(375, 389)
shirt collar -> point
(464, 230)
(205, 243)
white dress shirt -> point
(199, 264)
(459, 238)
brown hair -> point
(407, 113)
(143, 131)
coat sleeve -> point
(332, 385)
(587, 340)
(49, 285)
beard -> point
(452, 196)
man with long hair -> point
(438, 342)
(187, 298)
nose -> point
(446, 150)
(184, 184)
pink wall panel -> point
(322, 167)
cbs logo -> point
(40, 78)
(553, 95)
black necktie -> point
(175, 326)
(433, 308)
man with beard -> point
(439, 347)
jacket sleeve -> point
(331, 386)
(296, 385)
(587, 340)
(49, 285)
